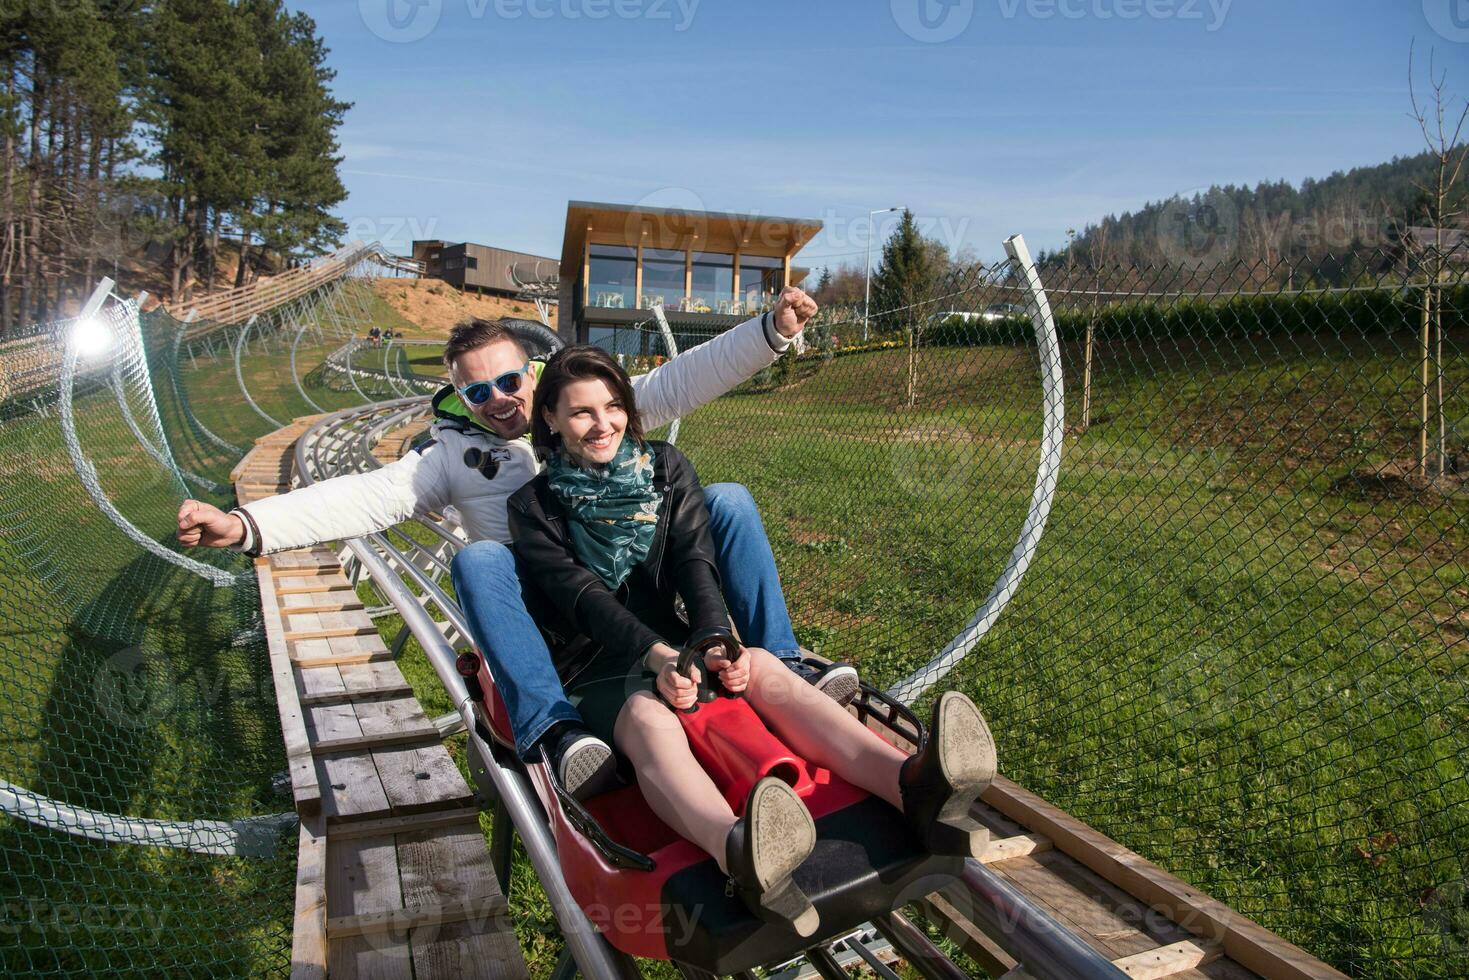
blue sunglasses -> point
(478, 392)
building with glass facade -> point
(708, 270)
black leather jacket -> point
(578, 614)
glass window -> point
(471, 262)
(612, 276)
(662, 277)
(760, 279)
(713, 282)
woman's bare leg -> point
(676, 787)
(820, 730)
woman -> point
(611, 534)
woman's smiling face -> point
(591, 420)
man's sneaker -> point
(583, 763)
(837, 680)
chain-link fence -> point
(1240, 647)
(144, 811)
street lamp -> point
(867, 270)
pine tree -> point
(204, 103)
(301, 147)
(912, 266)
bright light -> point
(92, 337)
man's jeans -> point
(489, 592)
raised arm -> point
(339, 508)
(701, 374)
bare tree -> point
(1099, 261)
(1444, 145)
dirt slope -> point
(436, 306)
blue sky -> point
(985, 117)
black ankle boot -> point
(772, 839)
(943, 780)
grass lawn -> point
(136, 688)
(1229, 654)
(1233, 653)
(1240, 649)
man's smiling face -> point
(508, 416)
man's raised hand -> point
(792, 310)
(201, 523)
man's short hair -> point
(475, 333)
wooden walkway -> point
(393, 878)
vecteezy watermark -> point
(1198, 229)
(391, 228)
(1448, 18)
(137, 689)
(1447, 910)
(932, 21)
(404, 21)
(1212, 13)
(400, 21)
(46, 917)
(680, 12)
(933, 463)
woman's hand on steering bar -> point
(676, 689)
(734, 675)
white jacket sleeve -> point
(354, 505)
(701, 374)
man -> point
(476, 458)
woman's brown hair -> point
(582, 362)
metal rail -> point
(341, 443)
(595, 958)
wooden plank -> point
(328, 600)
(423, 778)
(480, 907)
(351, 697)
(363, 643)
(1246, 942)
(362, 878)
(373, 677)
(357, 743)
(1114, 929)
(309, 571)
(304, 561)
(305, 786)
(319, 685)
(371, 656)
(308, 933)
(1005, 848)
(393, 715)
(298, 585)
(410, 823)
(437, 868)
(328, 651)
(351, 788)
(1167, 961)
(327, 632)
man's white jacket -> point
(465, 466)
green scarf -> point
(613, 510)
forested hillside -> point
(157, 130)
(1354, 211)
